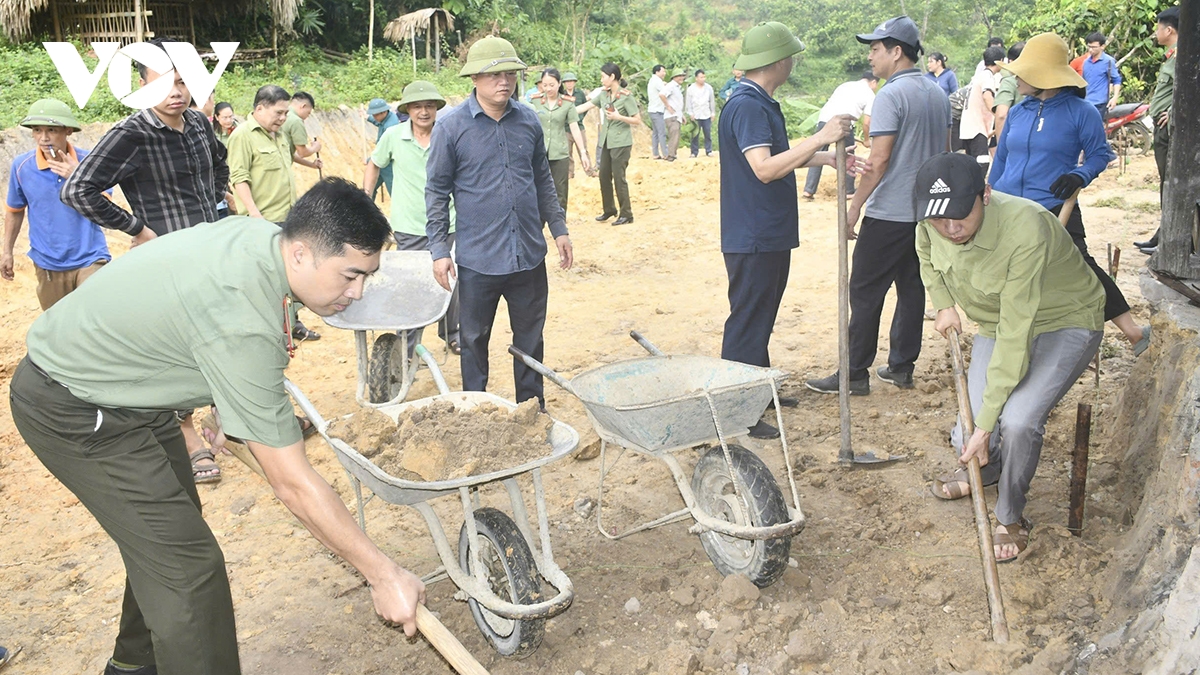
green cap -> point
(420, 90)
(765, 44)
(491, 55)
(679, 72)
(569, 77)
(49, 112)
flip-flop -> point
(197, 470)
(455, 348)
(1020, 538)
(950, 481)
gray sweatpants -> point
(1056, 360)
(658, 134)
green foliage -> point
(1128, 24)
(309, 21)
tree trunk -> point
(1179, 238)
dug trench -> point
(883, 579)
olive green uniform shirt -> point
(265, 162)
(1006, 93)
(1164, 88)
(615, 134)
(294, 131)
(181, 322)
(1019, 277)
(398, 149)
(555, 127)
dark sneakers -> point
(763, 430)
(142, 670)
(900, 379)
(829, 385)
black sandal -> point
(302, 333)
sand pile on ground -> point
(441, 442)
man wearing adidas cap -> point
(1013, 269)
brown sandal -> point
(208, 476)
(1020, 538)
(951, 482)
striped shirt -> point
(499, 176)
(172, 180)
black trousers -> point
(885, 254)
(525, 294)
(1162, 143)
(1114, 301)
(756, 285)
(130, 469)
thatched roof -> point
(15, 14)
(398, 29)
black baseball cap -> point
(947, 185)
(899, 28)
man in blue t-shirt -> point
(65, 247)
(760, 222)
(910, 122)
(1102, 75)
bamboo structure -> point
(432, 23)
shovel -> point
(983, 524)
(846, 455)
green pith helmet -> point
(765, 44)
(49, 112)
(420, 90)
(679, 72)
(569, 77)
(491, 55)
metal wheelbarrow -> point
(659, 405)
(402, 296)
(500, 564)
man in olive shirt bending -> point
(108, 365)
(1013, 269)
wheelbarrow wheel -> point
(512, 574)
(386, 373)
(763, 561)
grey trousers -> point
(658, 135)
(448, 326)
(1056, 360)
(673, 126)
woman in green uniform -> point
(620, 112)
(558, 116)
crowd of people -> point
(960, 209)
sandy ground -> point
(884, 579)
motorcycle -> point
(1129, 129)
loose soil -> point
(884, 579)
(442, 442)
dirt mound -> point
(441, 442)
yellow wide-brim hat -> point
(1046, 63)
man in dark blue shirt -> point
(490, 155)
(760, 222)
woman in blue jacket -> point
(1037, 156)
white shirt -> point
(653, 87)
(852, 98)
(977, 117)
(701, 101)
(675, 98)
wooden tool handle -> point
(846, 452)
(1064, 214)
(991, 576)
(446, 644)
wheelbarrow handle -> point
(646, 344)
(306, 406)
(542, 369)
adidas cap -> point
(946, 186)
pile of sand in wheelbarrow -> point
(441, 442)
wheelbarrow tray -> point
(658, 403)
(563, 440)
(402, 295)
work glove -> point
(1066, 185)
